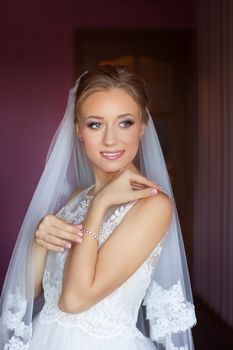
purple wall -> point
(36, 65)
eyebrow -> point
(119, 116)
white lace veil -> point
(167, 311)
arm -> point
(90, 275)
(59, 236)
(40, 255)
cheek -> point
(132, 139)
(89, 144)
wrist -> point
(39, 247)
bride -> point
(101, 240)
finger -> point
(67, 227)
(147, 192)
(60, 242)
(51, 220)
(57, 232)
(157, 186)
(139, 187)
(48, 246)
(70, 228)
(136, 185)
(134, 177)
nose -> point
(110, 137)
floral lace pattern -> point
(168, 313)
(109, 225)
(17, 332)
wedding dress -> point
(109, 324)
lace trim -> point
(15, 330)
(170, 346)
(105, 319)
(168, 313)
(113, 221)
(76, 216)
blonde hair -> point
(112, 76)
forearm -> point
(40, 254)
(80, 266)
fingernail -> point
(78, 232)
(78, 239)
(153, 191)
(68, 245)
(61, 249)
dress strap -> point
(72, 203)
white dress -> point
(109, 324)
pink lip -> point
(112, 155)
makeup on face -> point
(110, 126)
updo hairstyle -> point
(110, 76)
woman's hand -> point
(55, 234)
(126, 186)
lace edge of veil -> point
(168, 313)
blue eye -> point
(94, 125)
(126, 123)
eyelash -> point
(92, 124)
(129, 123)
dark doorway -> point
(164, 59)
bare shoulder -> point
(149, 219)
(153, 210)
(160, 202)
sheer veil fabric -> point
(168, 302)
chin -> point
(114, 167)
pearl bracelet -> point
(85, 230)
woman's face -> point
(110, 126)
